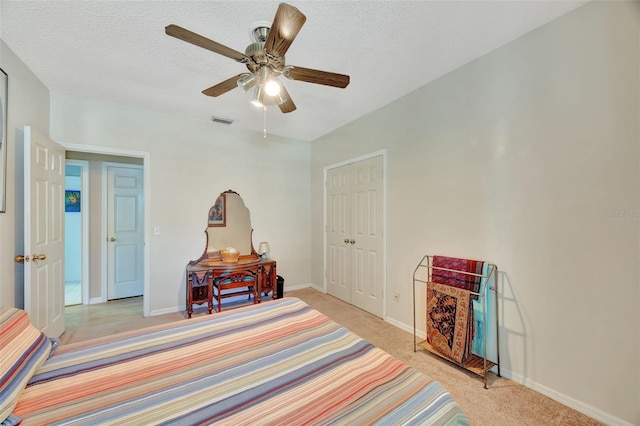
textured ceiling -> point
(117, 51)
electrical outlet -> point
(396, 296)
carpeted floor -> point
(504, 403)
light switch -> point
(156, 230)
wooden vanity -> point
(215, 280)
(209, 278)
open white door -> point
(44, 232)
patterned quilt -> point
(276, 363)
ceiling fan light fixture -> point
(265, 60)
(259, 30)
(247, 82)
(258, 97)
(272, 86)
(281, 98)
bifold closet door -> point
(338, 232)
(354, 234)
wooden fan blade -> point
(224, 87)
(288, 105)
(198, 40)
(318, 77)
(286, 25)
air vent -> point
(221, 120)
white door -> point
(355, 244)
(125, 232)
(366, 236)
(44, 232)
(338, 233)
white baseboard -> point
(171, 310)
(96, 300)
(301, 286)
(577, 405)
(405, 327)
(580, 406)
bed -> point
(275, 363)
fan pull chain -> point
(264, 125)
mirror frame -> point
(216, 255)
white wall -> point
(529, 158)
(28, 104)
(191, 162)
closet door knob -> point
(352, 241)
(39, 257)
(346, 241)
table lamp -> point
(263, 249)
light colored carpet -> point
(504, 403)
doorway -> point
(110, 188)
(96, 247)
(355, 255)
(76, 235)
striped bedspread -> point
(276, 363)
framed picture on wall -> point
(71, 201)
(4, 91)
(218, 212)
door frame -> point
(84, 218)
(383, 153)
(146, 165)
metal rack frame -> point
(472, 364)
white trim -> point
(84, 212)
(580, 406)
(146, 165)
(170, 310)
(104, 278)
(325, 173)
(26, 185)
(405, 327)
(105, 150)
(577, 405)
(300, 287)
(381, 153)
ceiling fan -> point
(264, 59)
